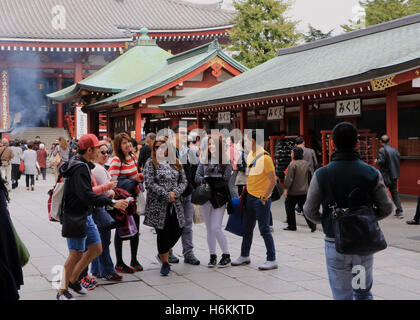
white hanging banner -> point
(223, 117)
(81, 122)
(348, 108)
(275, 113)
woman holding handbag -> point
(103, 267)
(123, 168)
(165, 184)
(217, 175)
(29, 159)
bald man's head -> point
(385, 139)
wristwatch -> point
(113, 202)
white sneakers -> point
(240, 261)
(268, 265)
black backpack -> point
(356, 228)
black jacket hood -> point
(68, 168)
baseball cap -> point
(88, 141)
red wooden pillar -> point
(174, 121)
(78, 72)
(199, 121)
(243, 120)
(138, 121)
(60, 107)
(392, 115)
(303, 120)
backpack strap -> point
(253, 163)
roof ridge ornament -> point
(214, 45)
(144, 39)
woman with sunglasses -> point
(124, 168)
(165, 182)
(103, 267)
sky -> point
(321, 14)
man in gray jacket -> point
(347, 172)
(389, 164)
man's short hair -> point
(176, 127)
(299, 140)
(385, 138)
(345, 136)
(297, 153)
(257, 136)
(37, 137)
(151, 136)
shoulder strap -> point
(1, 154)
(256, 159)
(330, 193)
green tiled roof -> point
(174, 68)
(351, 58)
(137, 63)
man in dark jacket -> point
(146, 150)
(82, 235)
(346, 173)
(189, 161)
(389, 164)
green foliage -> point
(379, 11)
(316, 34)
(261, 28)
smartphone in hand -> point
(129, 199)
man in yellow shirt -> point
(260, 185)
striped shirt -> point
(128, 168)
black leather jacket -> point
(219, 188)
(389, 161)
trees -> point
(261, 28)
(379, 11)
(316, 34)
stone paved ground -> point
(301, 273)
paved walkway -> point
(301, 274)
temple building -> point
(128, 91)
(370, 77)
(47, 45)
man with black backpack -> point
(190, 162)
(348, 182)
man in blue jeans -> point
(350, 275)
(260, 185)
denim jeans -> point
(350, 276)
(187, 234)
(255, 211)
(103, 264)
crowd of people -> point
(104, 180)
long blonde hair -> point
(63, 143)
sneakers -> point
(172, 257)
(165, 269)
(113, 277)
(241, 261)
(225, 261)
(88, 283)
(268, 265)
(65, 296)
(123, 269)
(191, 259)
(399, 215)
(136, 267)
(413, 222)
(78, 288)
(213, 261)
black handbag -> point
(103, 220)
(277, 193)
(201, 194)
(356, 228)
